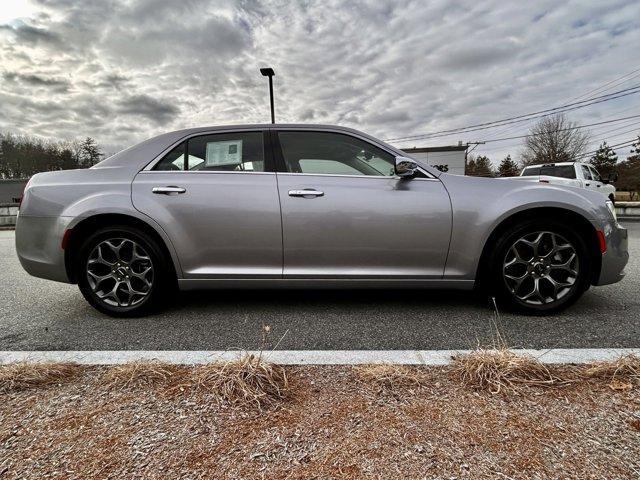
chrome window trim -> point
(152, 163)
(371, 140)
(200, 172)
(231, 129)
(388, 177)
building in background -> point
(450, 159)
(11, 190)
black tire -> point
(160, 276)
(566, 288)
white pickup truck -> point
(575, 174)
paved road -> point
(41, 315)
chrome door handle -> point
(304, 193)
(168, 190)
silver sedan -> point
(308, 206)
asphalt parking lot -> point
(37, 314)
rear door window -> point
(235, 152)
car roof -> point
(139, 155)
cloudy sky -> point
(123, 70)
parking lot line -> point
(305, 357)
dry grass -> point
(499, 370)
(21, 376)
(331, 428)
(621, 372)
(391, 376)
(139, 374)
(248, 380)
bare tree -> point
(554, 139)
(22, 156)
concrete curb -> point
(306, 357)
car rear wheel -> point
(540, 267)
(121, 272)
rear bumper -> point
(39, 246)
(616, 257)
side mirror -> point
(405, 167)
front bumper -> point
(617, 255)
(39, 246)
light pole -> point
(268, 72)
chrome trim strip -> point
(223, 130)
(388, 177)
(233, 129)
(201, 172)
(223, 283)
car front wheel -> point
(540, 267)
(121, 272)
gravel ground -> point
(333, 425)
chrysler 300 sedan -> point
(308, 206)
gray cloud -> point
(393, 68)
(37, 81)
(153, 109)
(32, 35)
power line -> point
(602, 88)
(591, 142)
(562, 129)
(626, 143)
(529, 116)
(614, 81)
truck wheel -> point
(121, 272)
(540, 267)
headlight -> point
(612, 209)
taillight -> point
(22, 194)
(602, 242)
(65, 239)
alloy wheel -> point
(120, 272)
(540, 268)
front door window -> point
(326, 153)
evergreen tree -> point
(508, 168)
(629, 172)
(604, 160)
(635, 150)
(22, 156)
(90, 153)
(479, 166)
(470, 167)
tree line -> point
(555, 139)
(22, 156)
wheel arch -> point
(88, 225)
(583, 226)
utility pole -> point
(467, 151)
